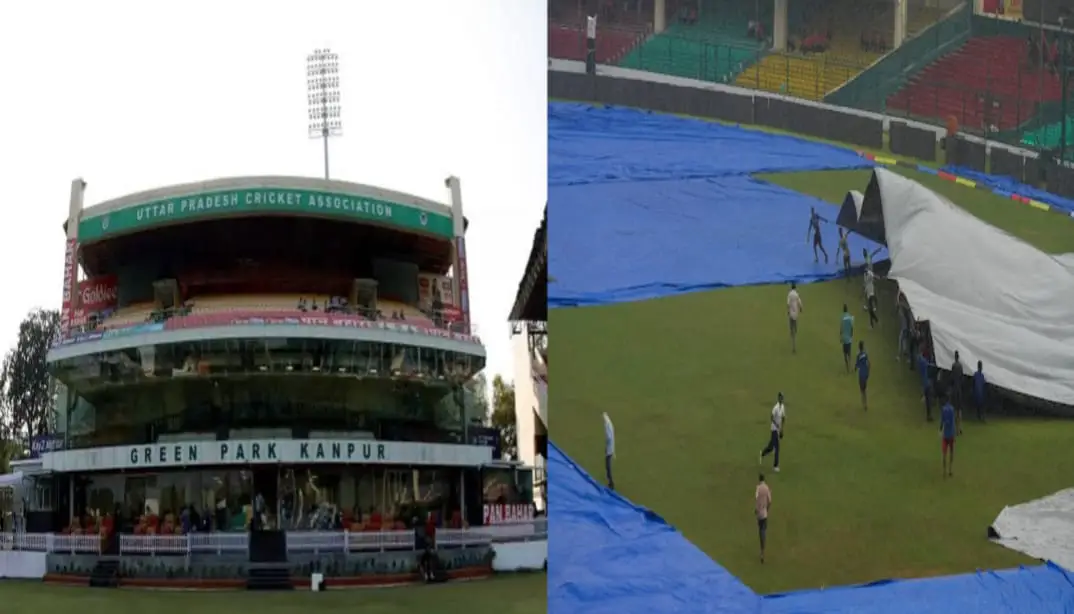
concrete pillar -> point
(461, 283)
(660, 16)
(900, 23)
(779, 25)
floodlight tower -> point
(322, 83)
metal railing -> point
(315, 542)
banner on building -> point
(70, 275)
(267, 452)
(464, 284)
(507, 513)
(45, 443)
(485, 436)
(98, 294)
(432, 286)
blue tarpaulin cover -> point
(643, 205)
(1005, 186)
(606, 554)
(1042, 589)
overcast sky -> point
(137, 95)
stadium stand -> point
(830, 43)
(933, 33)
(852, 35)
(203, 310)
(408, 313)
(803, 77)
(1049, 137)
(567, 41)
(681, 53)
(128, 316)
(986, 83)
(713, 43)
(245, 303)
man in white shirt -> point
(778, 417)
(870, 297)
(591, 44)
(794, 309)
(609, 449)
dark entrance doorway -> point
(266, 484)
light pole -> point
(322, 84)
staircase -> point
(269, 577)
(105, 574)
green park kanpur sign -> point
(195, 207)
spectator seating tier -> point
(987, 81)
(567, 42)
(250, 303)
(715, 46)
(810, 77)
(129, 316)
(670, 54)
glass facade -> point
(138, 396)
(244, 357)
(317, 498)
(507, 485)
(268, 389)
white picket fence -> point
(297, 541)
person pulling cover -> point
(814, 231)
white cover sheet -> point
(987, 294)
(1042, 528)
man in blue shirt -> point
(814, 232)
(861, 365)
(979, 385)
(957, 375)
(846, 335)
(926, 384)
(947, 432)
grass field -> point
(521, 594)
(689, 382)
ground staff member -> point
(762, 501)
(609, 449)
(846, 335)
(779, 416)
(794, 309)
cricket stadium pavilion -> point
(529, 328)
(264, 370)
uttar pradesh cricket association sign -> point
(177, 455)
(253, 201)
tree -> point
(503, 417)
(477, 398)
(28, 389)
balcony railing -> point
(316, 542)
(437, 323)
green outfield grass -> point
(518, 594)
(689, 382)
